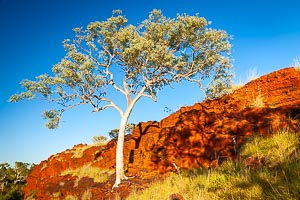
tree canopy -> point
(144, 58)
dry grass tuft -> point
(78, 151)
(296, 63)
(258, 102)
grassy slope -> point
(276, 175)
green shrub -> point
(12, 192)
(13, 179)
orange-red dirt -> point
(198, 136)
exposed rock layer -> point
(195, 136)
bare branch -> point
(153, 97)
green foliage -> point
(157, 52)
(113, 133)
(53, 118)
(218, 88)
(12, 192)
(12, 180)
(278, 178)
(129, 128)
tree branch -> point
(110, 104)
(153, 97)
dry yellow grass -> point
(99, 175)
(78, 151)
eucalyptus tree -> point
(136, 61)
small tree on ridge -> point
(136, 61)
(128, 129)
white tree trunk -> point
(120, 143)
(120, 175)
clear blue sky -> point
(266, 38)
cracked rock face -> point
(198, 136)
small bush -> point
(100, 139)
(12, 192)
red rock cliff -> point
(195, 136)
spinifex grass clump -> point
(277, 178)
(277, 148)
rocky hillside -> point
(198, 136)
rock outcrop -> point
(198, 136)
